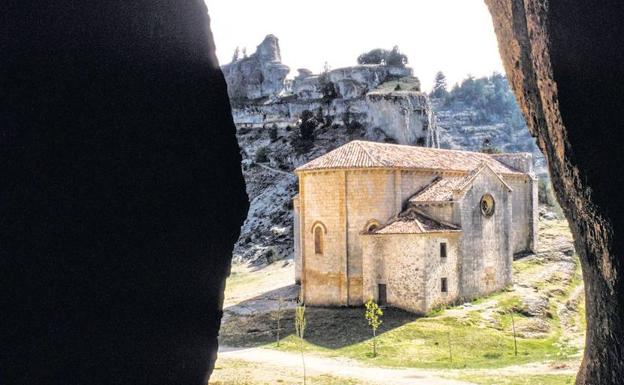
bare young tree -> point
(372, 315)
(300, 326)
(450, 347)
(278, 317)
(513, 329)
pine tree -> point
(439, 87)
(236, 55)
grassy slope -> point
(245, 282)
(477, 340)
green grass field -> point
(547, 379)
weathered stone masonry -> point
(409, 221)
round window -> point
(487, 205)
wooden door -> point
(382, 298)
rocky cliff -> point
(260, 75)
(462, 127)
(374, 96)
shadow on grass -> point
(254, 322)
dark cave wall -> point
(121, 194)
(564, 60)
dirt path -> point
(339, 367)
(347, 368)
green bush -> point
(273, 133)
(382, 56)
(262, 155)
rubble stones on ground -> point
(532, 328)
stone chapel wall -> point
(486, 247)
(321, 200)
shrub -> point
(273, 133)
(244, 130)
(352, 124)
(396, 58)
(382, 56)
(262, 155)
(545, 192)
(375, 56)
(305, 139)
(308, 125)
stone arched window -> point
(487, 205)
(319, 231)
(371, 225)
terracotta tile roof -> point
(441, 189)
(363, 154)
(412, 221)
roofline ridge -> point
(488, 156)
(377, 163)
(437, 148)
(370, 157)
(498, 176)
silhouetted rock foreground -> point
(121, 193)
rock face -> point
(403, 115)
(307, 86)
(459, 128)
(355, 82)
(258, 76)
(563, 60)
(260, 96)
(122, 193)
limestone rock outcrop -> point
(307, 86)
(404, 115)
(356, 81)
(260, 75)
(261, 97)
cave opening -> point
(517, 129)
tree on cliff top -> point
(236, 55)
(440, 86)
(382, 56)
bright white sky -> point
(455, 36)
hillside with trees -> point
(481, 114)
